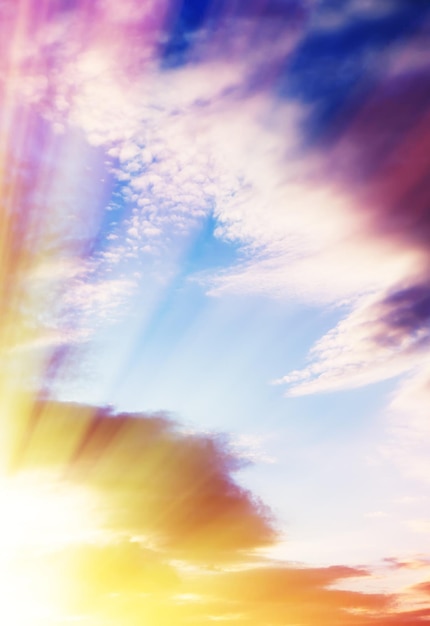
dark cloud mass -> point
(365, 84)
(197, 22)
(411, 308)
(355, 70)
(401, 319)
(333, 68)
(384, 151)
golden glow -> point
(39, 518)
(38, 512)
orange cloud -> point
(176, 531)
(177, 487)
(425, 587)
(297, 595)
(124, 583)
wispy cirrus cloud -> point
(382, 338)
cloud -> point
(374, 145)
(176, 488)
(424, 587)
(325, 130)
(182, 140)
(96, 572)
(419, 525)
(164, 531)
(300, 595)
(407, 424)
(407, 564)
(385, 336)
(123, 583)
(407, 311)
(320, 125)
(276, 594)
(332, 69)
(185, 145)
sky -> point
(215, 312)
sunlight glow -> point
(41, 514)
(40, 518)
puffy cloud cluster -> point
(312, 116)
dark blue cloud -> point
(334, 68)
(195, 21)
(410, 308)
(191, 17)
(403, 314)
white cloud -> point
(251, 448)
(376, 514)
(408, 426)
(363, 348)
(191, 141)
(419, 525)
